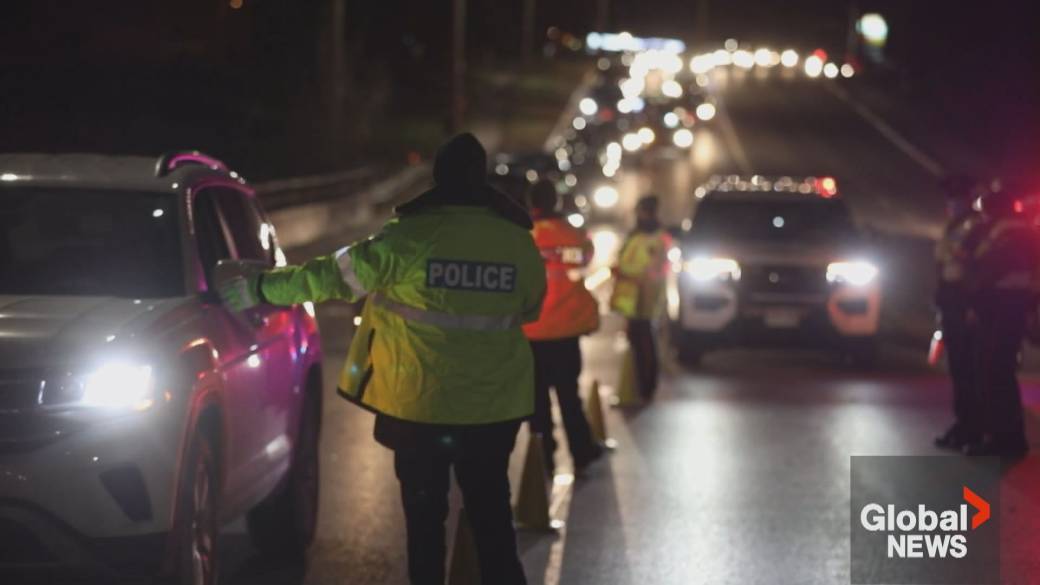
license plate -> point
(781, 318)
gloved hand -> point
(241, 292)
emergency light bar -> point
(825, 187)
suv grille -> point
(19, 394)
(25, 423)
(780, 280)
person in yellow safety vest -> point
(640, 280)
(569, 311)
(440, 355)
(1000, 281)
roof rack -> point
(171, 160)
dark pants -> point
(1001, 322)
(557, 364)
(480, 458)
(644, 353)
(960, 339)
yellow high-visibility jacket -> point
(641, 275)
(440, 339)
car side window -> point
(210, 233)
(249, 232)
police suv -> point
(775, 259)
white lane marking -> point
(729, 134)
(916, 154)
(563, 489)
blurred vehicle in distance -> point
(138, 414)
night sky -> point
(269, 56)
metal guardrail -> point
(284, 193)
(306, 209)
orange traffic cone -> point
(626, 393)
(594, 414)
(532, 499)
(464, 569)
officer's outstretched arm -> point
(348, 274)
(316, 280)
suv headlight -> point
(856, 273)
(705, 269)
(119, 385)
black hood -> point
(461, 164)
(460, 177)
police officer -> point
(639, 289)
(440, 355)
(953, 257)
(568, 312)
(1001, 284)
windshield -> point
(812, 219)
(63, 241)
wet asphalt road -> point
(739, 472)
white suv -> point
(776, 260)
(136, 412)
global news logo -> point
(925, 533)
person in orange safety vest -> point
(568, 311)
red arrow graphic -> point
(979, 504)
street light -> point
(873, 28)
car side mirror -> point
(228, 270)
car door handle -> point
(258, 320)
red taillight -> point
(820, 54)
(1018, 206)
(827, 186)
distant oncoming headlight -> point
(605, 196)
(682, 138)
(588, 106)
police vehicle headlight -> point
(706, 269)
(856, 273)
(119, 385)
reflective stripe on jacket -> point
(440, 338)
(569, 309)
(641, 275)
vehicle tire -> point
(284, 525)
(198, 519)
